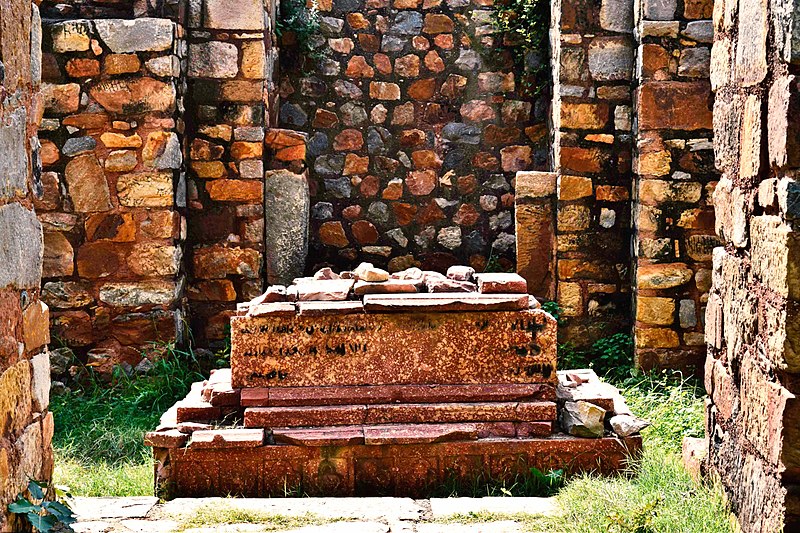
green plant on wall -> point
(525, 25)
(302, 22)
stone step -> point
(345, 415)
(445, 302)
(385, 469)
(351, 435)
(394, 349)
(367, 394)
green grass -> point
(99, 428)
(659, 495)
(218, 515)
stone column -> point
(673, 217)
(753, 315)
(26, 426)
(593, 65)
(535, 213)
(227, 116)
(114, 187)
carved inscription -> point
(376, 349)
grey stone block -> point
(286, 216)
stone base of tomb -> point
(400, 440)
(412, 469)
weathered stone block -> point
(675, 105)
(280, 350)
(145, 189)
(213, 59)
(616, 15)
(217, 262)
(286, 211)
(611, 58)
(590, 116)
(14, 178)
(139, 35)
(234, 15)
(15, 397)
(72, 36)
(134, 96)
(663, 275)
(751, 46)
(655, 310)
(775, 255)
(20, 247)
(659, 9)
(139, 294)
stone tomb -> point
(391, 349)
(385, 394)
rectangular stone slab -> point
(412, 470)
(408, 413)
(444, 302)
(394, 349)
(330, 308)
(418, 433)
(378, 394)
(420, 413)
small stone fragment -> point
(582, 419)
(367, 272)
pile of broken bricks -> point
(368, 288)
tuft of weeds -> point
(533, 482)
(99, 427)
(212, 516)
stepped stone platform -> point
(335, 393)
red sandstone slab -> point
(272, 309)
(339, 415)
(217, 389)
(171, 438)
(498, 283)
(445, 302)
(535, 411)
(418, 434)
(420, 413)
(380, 394)
(255, 397)
(394, 349)
(190, 427)
(447, 285)
(227, 438)
(330, 308)
(496, 429)
(324, 289)
(392, 286)
(331, 436)
(194, 409)
(394, 470)
(533, 429)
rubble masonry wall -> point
(26, 426)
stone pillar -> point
(593, 65)
(753, 314)
(114, 186)
(26, 426)
(535, 213)
(673, 218)
(227, 116)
